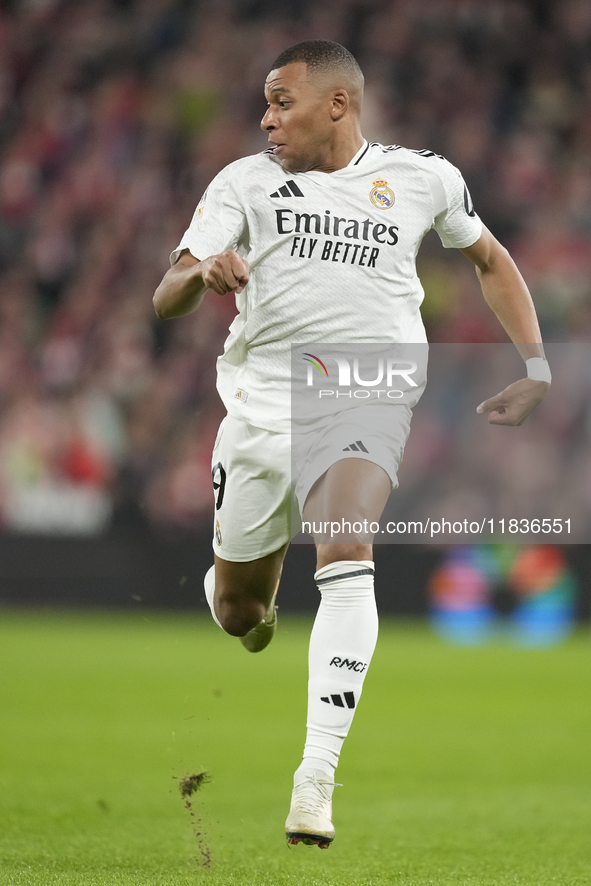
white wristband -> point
(538, 369)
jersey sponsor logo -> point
(339, 701)
(289, 189)
(218, 533)
(345, 253)
(381, 195)
(357, 446)
(351, 664)
(218, 477)
(290, 222)
(350, 250)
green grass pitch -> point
(464, 766)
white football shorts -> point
(261, 479)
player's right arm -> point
(183, 286)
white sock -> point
(209, 585)
(341, 646)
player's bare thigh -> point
(243, 591)
(353, 490)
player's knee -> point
(238, 614)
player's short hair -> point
(322, 56)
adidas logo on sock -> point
(337, 700)
(289, 189)
(355, 447)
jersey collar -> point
(360, 153)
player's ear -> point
(339, 104)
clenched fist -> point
(224, 273)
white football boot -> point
(259, 637)
(310, 816)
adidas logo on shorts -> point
(355, 447)
(289, 189)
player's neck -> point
(340, 154)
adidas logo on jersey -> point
(289, 189)
(355, 447)
(337, 700)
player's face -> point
(298, 118)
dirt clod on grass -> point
(188, 785)
(191, 783)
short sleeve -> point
(219, 220)
(456, 221)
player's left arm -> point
(506, 293)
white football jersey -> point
(332, 259)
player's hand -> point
(226, 272)
(513, 405)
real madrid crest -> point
(218, 533)
(381, 195)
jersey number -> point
(219, 485)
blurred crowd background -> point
(114, 117)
